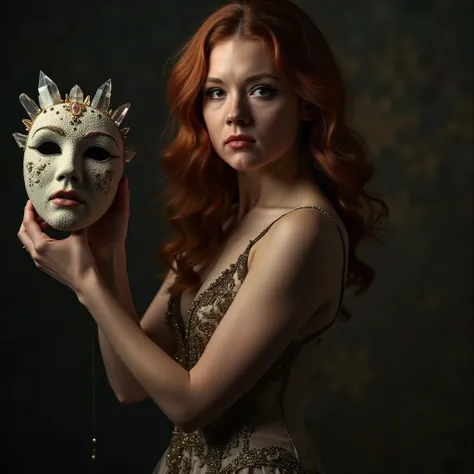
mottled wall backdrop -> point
(393, 389)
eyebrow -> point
(99, 134)
(53, 128)
(61, 132)
(253, 78)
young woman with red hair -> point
(267, 194)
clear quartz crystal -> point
(30, 106)
(20, 139)
(101, 98)
(76, 94)
(129, 154)
(119, 113)
(48, 91)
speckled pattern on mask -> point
(69, 165)
(34, 172)
(103, 180)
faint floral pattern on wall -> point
(393, 388)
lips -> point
(68, 195)
(240, 138)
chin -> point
(244, 161)
(67, 220)
(68, 223)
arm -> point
(123, 383)
(295, 273)
(115, 276)
(71, 261)
(275, 300)
(166, 382)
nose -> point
(69, 168)
(238, 112)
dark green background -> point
(393, 390)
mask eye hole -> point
(97, 153)
(49, 148)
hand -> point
(69, 260)
(108, 234)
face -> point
(85, 156)
(244, 94)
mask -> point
(74, 155)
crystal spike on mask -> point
(49, 95)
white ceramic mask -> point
(74, 154)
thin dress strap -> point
(344, 263)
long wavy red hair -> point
(202, 188)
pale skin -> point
(277, 296)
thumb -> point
(122, 197)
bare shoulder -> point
(310, 231)
(310, 222)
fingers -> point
(42, 223)
(29, 221)
(123, 186)
(25, 238)
(31, 233)
(23, 234)
(123, 195)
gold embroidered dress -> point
(264, 431)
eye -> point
(49, 148)
(265, 92)
(97, 153)
(214, 93)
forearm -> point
(125, 386)
(114, 274)
(166, 381)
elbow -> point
(185, 423)
(127, 393)
(127, 398)
(198, 415)
(189, 424)
(186, 427)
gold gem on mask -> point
(76, 108)
(27, 123)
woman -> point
(267, 193)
